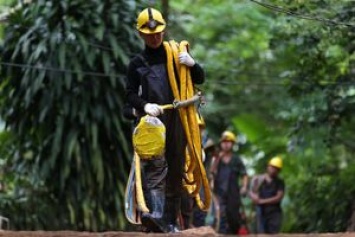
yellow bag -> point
(149, 137)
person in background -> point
(266, 193)
(227, 169)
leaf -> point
(83, 43)
(62, 53)
(72, 212)
(68, 80)
(106, 62)
(57, 139)
(94, 136)
(251, 126)
(117, 50)
(99, 169)
(71, 143)
(99, 33)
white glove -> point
(153, 109)
(185, 58)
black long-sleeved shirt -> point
(147, 78)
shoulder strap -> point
(145, 62)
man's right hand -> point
(153, 109)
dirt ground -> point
(198, 232)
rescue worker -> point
(267, 192)
(147, 88)
(227, 168)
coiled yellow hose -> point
(141, 204)
(195, 171)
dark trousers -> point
(175, 157)
(230, 219)
(154, 172)
(269, 222)
(164, 174)
(187, 203)
(174, 153)
(199, 216)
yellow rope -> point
(141, 204)
(196, 174)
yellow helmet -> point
(228, 136)
(276, 162)
(150, 21)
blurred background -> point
(280, 74)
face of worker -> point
(226, 145)
(272, 171)
(153, 40)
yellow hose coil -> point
(141, 205)
(188, 181)
(195, 171)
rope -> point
(195, 170)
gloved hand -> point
(185, 58)
(153, 109)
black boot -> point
(172, 212)
(154, 220)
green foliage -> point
(62, 101)
(321, 190)
(5, 6)
(320, 78)
(323, 68)
(285, 83)
(288, 85)
(231, 40)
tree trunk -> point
(165, 9)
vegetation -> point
(63, 67)
(287, 84)
(280, 73)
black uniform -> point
(148, 82)
(228, 191)
(270, 214)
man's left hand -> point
(185, 58)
